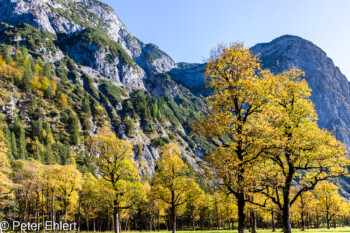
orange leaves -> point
(8, 72)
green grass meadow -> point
(320, 230)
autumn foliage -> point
(270, 166)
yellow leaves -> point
(237, 115)
(62, 100)
(38, 69)
(329, 200)
(40, 83)
(9, 72)
(114, 158)
(171, 184)
(113, 155)
(6, 184)
(265, 129)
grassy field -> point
(321, 230)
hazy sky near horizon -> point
(188, 29)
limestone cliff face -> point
(191, 76)
(71, 18)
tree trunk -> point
(253, 222)
(158, 221)
(173, 211)
(173, 218)
(37, 209)
(79, 216)
(273, 222)
(42, 208)
(53, 210)
(241, 214)
(327, 218)
(116, 217)
(87, 219)
(302, 221)
(287, 226)
(65, 212)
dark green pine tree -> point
(65, 155)
(49, 93)
(38, 154)
(73, 126)
(8, 56)
(48, 70)
(19, 57)
(37, 130)
(48, 131)
(85, 114)
(14, 149)
(86, 108)
(48, 155)
(65, 118)
(20, 135)
(27, 78)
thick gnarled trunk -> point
(287, 226)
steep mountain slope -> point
(75, 68)
(95, 34)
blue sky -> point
(188, 29)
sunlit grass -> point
(321, 230)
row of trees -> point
(266, 132)
(33, 192)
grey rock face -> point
(94, 57)
(330, 88)
(154, 60)
(36, 13)
(191, 76)
(73, 16)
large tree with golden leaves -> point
(236, 121)
(302, 154)
(171, 184)
(114, 159)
